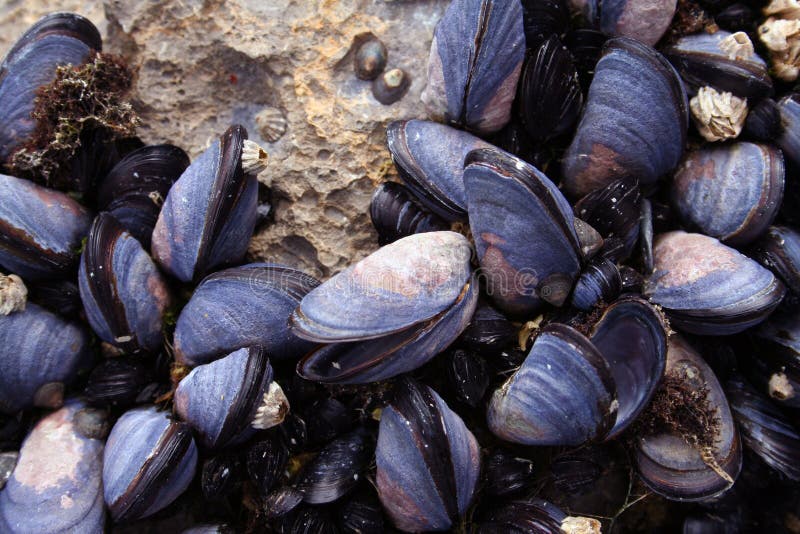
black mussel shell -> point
(394, 214)
(307, 519)
(361, 514)
(763, 121)
(336, 470)
(779, 251)
(266, 461)
(543, 18)
(614, 211)
(737, 17)
(117, 382)
(764, 429)
(221, 475)
(468, 376)
(508, 475)
(281, 501)
(599, 281)
(632, 280)
(773, 365)
(325, 420)
(549, 95)
(488, 333)
(59, 296)
(646, 235)
(586, 45)
(534, 515)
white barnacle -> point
(254, 158)
(718, 116)
(782, 38)
(738, 46)
(273, 409)
(13, 294)
(580, 525)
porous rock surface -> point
(202, 65)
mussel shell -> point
(117, 382)
(586, 45)
(124, 294)
(779, 251)
(427, 460)
(644, 20)
(221, 475)
(701, 62)
(763, 121)
(391, 355)
(488, 332)
(361, 514)
(476, 55)
(632, 337)
(149, 461)
(468, 376)
(430, 159)
(549, 95)
(56, 39)
(394, 214)
(789, 137)
(774, 364)
(219, 399)
(38, 348)
(134, 190)
(614, 211)
(708, 288)
(543, 18)
(521, 516)
(731, 192)
(40, 229)
(242, 306)
(507, 474)
(60, 296)
(388, 291)
(668, 464)
(336, 470)
(266, 461)
(209, 214)
(764, 429)
(599, 282)
(57, 483)
(563, 394)
(524, 232)
(621, 135)
(281, 501)
(326, 419)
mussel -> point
(394, 214)
(779, 251)
(225, 401)
(55, 40)
(427, 460)
(149, 460)
(476, 56)
(614, 211)
(731, 192)
(774, 365)
(210, 213)
(524, 232)
(621, 135)
(430, 159)
(643, 20)
(336, 470)
(41, 353)
(239, 307)
(40, 229)
(535, 515)
(405, 303)
(124, 295)
(57, 483)
(708, 288)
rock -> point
(204, 64)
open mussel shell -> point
(149, 461)
(209, 214)
(476, 56)
(57, 483)
(387, 291)
(123, 293)
(643, 20)
(672, 467)
(708, 288)
(764, 429)
(220, 400)
(380, 358)
(394, 214)
(524, 232)
(564, 393)
(336, 470)
(55, 40)
(242, 306)
(427, 460)
(549, 95)
(774, 364)
(779, 251)
(614, 211)
(732, 192)
(632, 337)
(707, 59)
(39, 351)
(430, 159)
(135, 188)
(40, 229)
(599, 281)
(619, 135)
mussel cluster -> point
(585, 307)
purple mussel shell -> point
(57, 483)
(149, 461)
(708, 288)
(55, 40)
(476, 56)
(732, 192)
(239, 307)
(430, 159)
(622, 135)
(428, 462)
(524, 232)
(209, 214)
(400, 285)
(40, 229)
(123, 293)
(220, 399)
(38, 348)
(599, 281)
(643, 20)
